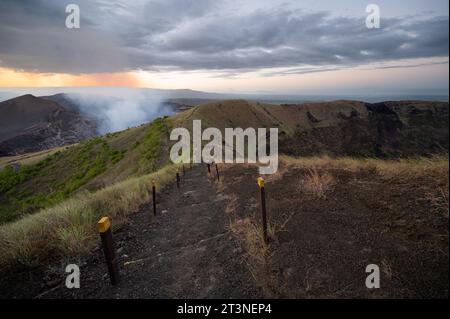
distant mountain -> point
(263, 96)
(63, 100)
(29, 124)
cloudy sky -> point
(302, 47)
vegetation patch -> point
(317, 182)
(69, 228)
(150, 146)
(55, 178)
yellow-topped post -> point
(103, 224)
(260, 181)
(104, 228)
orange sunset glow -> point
(14, 78)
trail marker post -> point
(104, 228)
(154, 199)
(217, 171)
(263, 208)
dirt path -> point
(186, 251)
(319, 248)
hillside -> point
(89, 165)
(30, 124)
(330, 218)
(388, 129)
(356, 209)
(337, 128)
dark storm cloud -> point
(203, 34)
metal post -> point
(263, 208)
(104, 228)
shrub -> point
(317, 182)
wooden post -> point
(104, 228)
(263, 208)
(178, 180)
(217, 172)
(154, 199)
(209, 168)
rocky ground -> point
(32, 124)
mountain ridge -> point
(390, 130)
(338, 128)
(29, 123)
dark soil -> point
(186, 251)
(31, 124)
(321, 246)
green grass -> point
(49, 209)
(91, 165)
(150, 146)
(9, 178)
(55, 178)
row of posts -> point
(104, 225)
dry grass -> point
(438, 199)
(69, 228)
(408, 167)
(31, 158)
(319, 179)
(319, 175)
(406, 170)
(252, 236)
(317, 182)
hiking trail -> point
(185, 251)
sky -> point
(298, 47)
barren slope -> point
(388, 129)
(329, 219)
(30, 124)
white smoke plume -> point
(115, 110)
